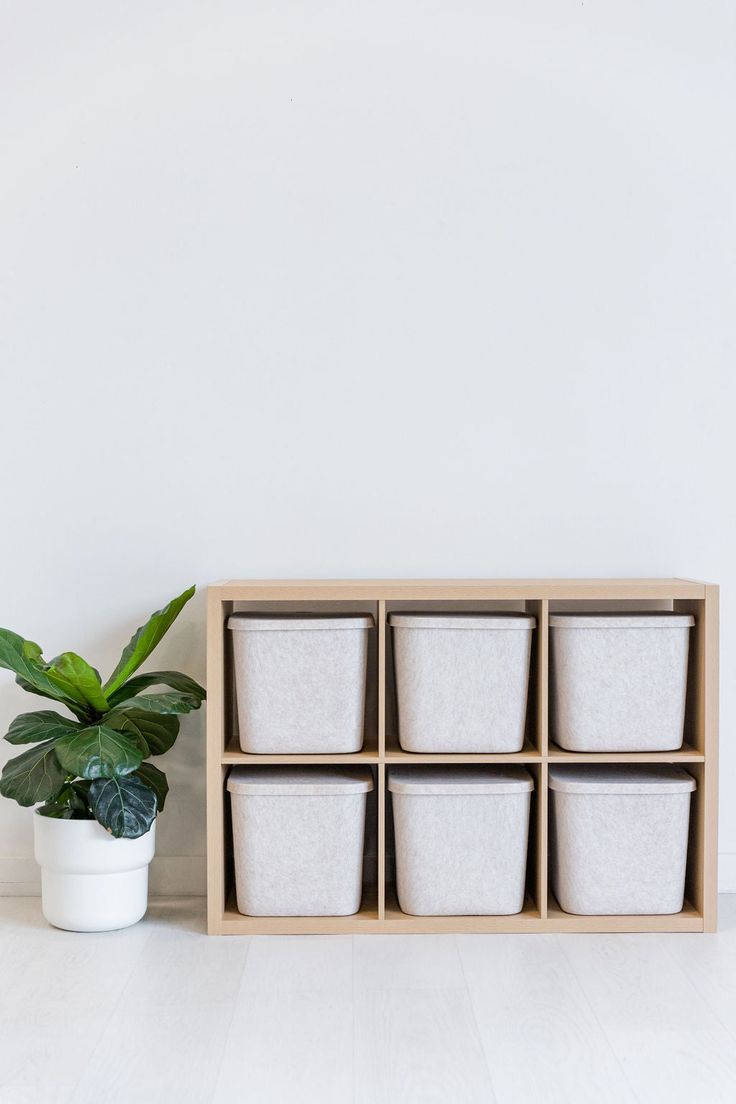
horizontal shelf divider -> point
(242, 758)
(685, 754)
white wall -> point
(336, 289)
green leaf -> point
(44, 724)
(156, 779)
(34, 776)
(56, 810)
(32, 650)
(68, 803)
(98, 752)
(145, 639)
(23, 658)
(126, 806)
(175, 679)
(157, 731)
(75, 678)
(171, 702)
(56, 696)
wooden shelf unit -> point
(379, 910)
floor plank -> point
(291, 1033)
(666, 1037)
(418, 1046)
(540, 1039)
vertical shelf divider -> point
(543, 744)
(381, 771)
(540, 609)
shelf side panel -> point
(215, 748)
(710, 771)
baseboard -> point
(170, 876)
(727, 872)
(186, 876)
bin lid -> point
(620, 779)
(663, 620)
(522, 622)
(299, 781)
(473, 781)
(281, 622)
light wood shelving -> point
(379, 910)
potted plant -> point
(90, 774)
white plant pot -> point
(91, 881)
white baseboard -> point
(170, 876)
(186, 876)
(727, 872)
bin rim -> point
(284, 622)
(291, 781)
(620, 779)
(469, 781)
(659, 620)
(505, 621)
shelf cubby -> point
(379, 910)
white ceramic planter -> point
(298, 839)
(462, 681)
(619, 680)
(619, 838)
(461, 839)
(300, 683)
(91, 881)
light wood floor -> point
(162, 1013)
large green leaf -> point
(98, 752)
(175, 679)
(156, 779)
(171, 702)
(75, 678)
(56, 695)
(34, 776)
(23, 658)
(44, 724)
(126, 806)
(145, 639)
(157, 731)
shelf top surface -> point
(405, 588)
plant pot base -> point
(94, 902)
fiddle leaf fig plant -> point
(93, 765)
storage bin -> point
(300, 683)
(461, 839)
(461, 680)
(619, 680)
(619, 838)
(298, 839)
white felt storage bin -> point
(619, 838)
(618, 681)
(298, 839)
(300, 683)
(461, 839)
(461, 680)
